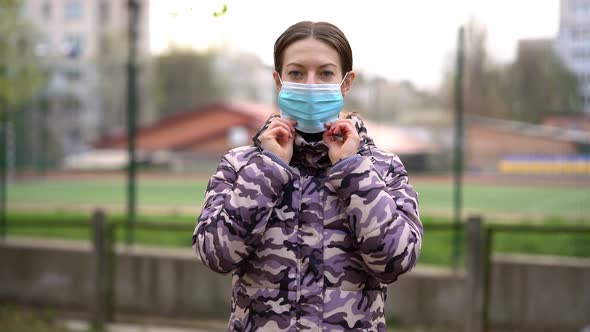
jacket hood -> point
(315, 154)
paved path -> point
(83, 326)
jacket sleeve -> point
(382, 212)
(237, 206)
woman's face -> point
(311, 61)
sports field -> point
(496, 199)
(173, 198)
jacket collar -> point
(315, 154)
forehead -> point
(310, 52)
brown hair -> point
(323, 31)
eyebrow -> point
(300, 65)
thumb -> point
(329, 139)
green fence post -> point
(103, 303)
(43, 109)
(3, 170)
(133, 9)
(475, 275)
(458, 160)
(487, 281)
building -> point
(245, 77)
(494, 145)
(197, 139)
(573, 42)
(74, 37)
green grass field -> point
(178, 201)
(436, 199)
(436, 250)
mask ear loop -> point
(344, 79)
(280, 80)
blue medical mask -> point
(311, 105)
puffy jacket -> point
(311, 245)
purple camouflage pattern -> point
(311, 246)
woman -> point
(313, 219)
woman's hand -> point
(278, 138)
(344, 145)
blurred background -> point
(117, 112)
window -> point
(105, 45)
(73, 75)
(238, 136)
(73, 10)
(22, 10)
(42, 48)
(583, 9)
(73, 46)
(46, 10)
(104, 12)
(579, 32)
(581, 54)
(71, 105)
(75, 134)
(573, 33)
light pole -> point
(133, 9)
(3, 127)
(43, 110)
(458, 160)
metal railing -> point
(479, 246)
(103, 236)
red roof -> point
(186, 130)
(182, 130)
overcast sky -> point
(396, 39)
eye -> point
(295, 75)
(326, 75)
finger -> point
(344, 127)
(329, 139)
(336, 129)
(284, 124)
(343, 121)
(287, 123)
(275, 133)
(286, 138)
(326, 136)
(280, 134)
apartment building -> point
(573, 42)
(76, 37)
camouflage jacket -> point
(311, 245)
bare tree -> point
(184, 79)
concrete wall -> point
(427, 296)
(528, 293)
(541, 294)
(487, 146)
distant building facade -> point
(504, 146)
(74, 35)
(226, 125)
(245, 77)
(573, 42)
